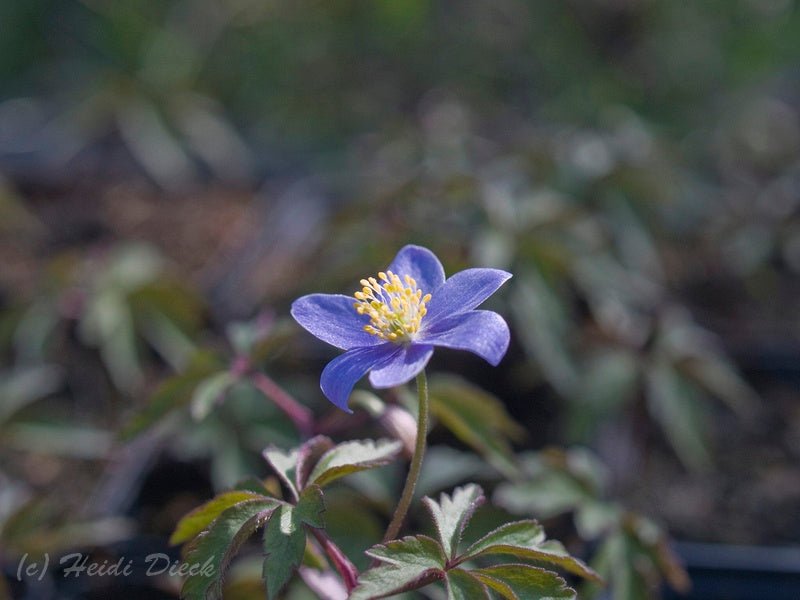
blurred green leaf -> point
(544, 330)
(172, 395)
(25, 385)
(609, 381)
(673, 402)
(209, 392)
(477, 418)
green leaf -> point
(311, 507)
(451, 514)
(171, 395)
(462, 585)
(351, 457)
(212, 551)
(413, 562)
(445, 467)
(608, 382)
(672, 401)
(526, 539)
(284, 545)
(557, 481)
(193, 523)
(251, 484)
(524, 582)
(477, 418)
(208, 392)
(544, 325)
(22, 386)
(284, 464)
(308, 455)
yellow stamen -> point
(395, 306)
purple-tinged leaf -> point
(211, 552)
(308, 455)
(451, 514)
(410, 563)
(462, 585)
(524, 582)
(311, 507)
(351, 457)
(526, 539)
(284, 464)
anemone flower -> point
(390, 327)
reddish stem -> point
(346, 569)
(301, 416)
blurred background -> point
(173, 173)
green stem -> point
(416, 461)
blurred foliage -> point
(635, 164)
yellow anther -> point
(395, 308)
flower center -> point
(395, 306)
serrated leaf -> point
(308, 455)
(284, 464)
(171, 395)
(388, 581)
(410, 549)
(193, 523)
(212, 551)
(524, 582)
(311, 507)
(451, 514)
(284, 545)
(411, 563)
(462, 585)
(477, 418)
(208, 392)
(526, 539)
(351, 457)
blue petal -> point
(421, 264)
(332, 318)
(464, 291)
(482, 332)
(341, 374)
(402, 367)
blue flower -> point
(390, 326)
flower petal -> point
(402, 367)
(464, 291)
(421, 264)
(482, 332)
(332, 318)
(341, 374)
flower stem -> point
(347, 569)
(299, 414)
(416, 461)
